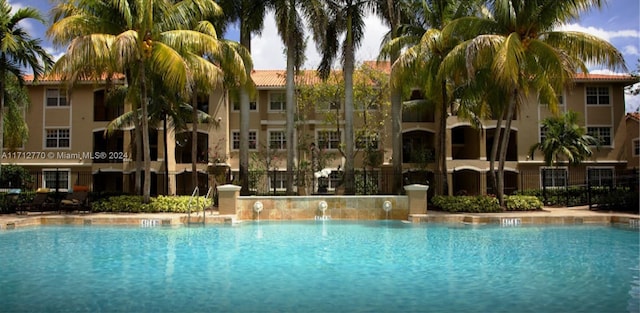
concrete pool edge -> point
(568, 216)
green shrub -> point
(522, 203)
(178, 204)
(133, 204)
(470, 204)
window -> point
(561, 104)
(597, 96)
(603, 134)
(56, 98)
(277, 140)
(600, 176)
(636, 147)
(543, 133)
(253, 139)
(279, 181)
(554, 177)
(370, 141)
(253, 105)
(57, 138)
(327, 105)
(55, 179)
(328, 139)
(277, 101)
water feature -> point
(322, 207)
(257, 207)
(386, 206)
(321, 266)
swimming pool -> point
(330, 266)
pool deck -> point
(549, 215)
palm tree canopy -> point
(345, 18)
(17, 47)
(564, 138)
(520, 43)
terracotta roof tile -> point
(634, 115)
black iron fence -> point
(599, 188)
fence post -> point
(589, 192)
(544, 186)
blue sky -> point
(617, 22)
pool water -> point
(330, 266)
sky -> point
(617, 22)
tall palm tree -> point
(564, 139)
(394, 13)
(345, 18)
(18, 50)
(250, 16)
(518, 42)
(289, 15)
(427, 47)
(140, 38)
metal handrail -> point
(194, 194)
(209, 194)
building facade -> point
(69, 145)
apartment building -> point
(68, 144)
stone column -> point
(417, 195)
(228, 199)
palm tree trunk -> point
(194, 140)
(504, 145)
(442, 141)
(146, 190)
(291, 54)
(2, 86)
(396, 132)
(166, 154)
(245, 40)
(349, 60)
(138, 140)
(494, 153)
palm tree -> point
(345, 18)
(16, 130)
(17, 52)
(518, 42)
(289, 20)
(564, 139)
(394, 13)
(140, 39)
(428, 46)
(250, 16)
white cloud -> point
(632, 50)
(268, 50)
(602, 33)
(632, 103)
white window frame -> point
(58, 138)
(61, 94)
(635, 147)
(236, 134)
(281, 180)
(364, 141)
(599, 179)
(553, 177)
(598, 135)
(53, 171)
(282, 143)
(562, 105)
(332, 143)
(598, 94)
(235, 104)
(282, 102)
(542, 133)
